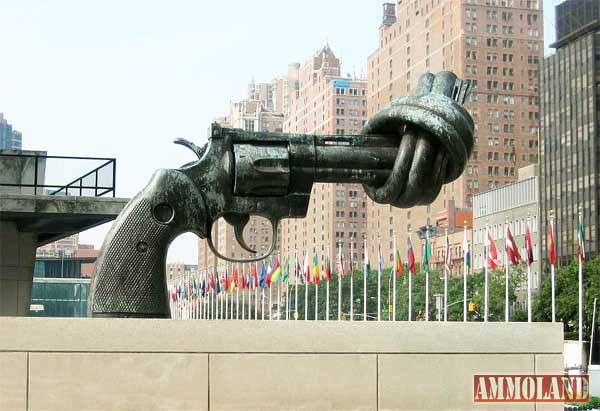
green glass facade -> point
(59, 297)
(58, 288)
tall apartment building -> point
(251, 115)
(326, 103)
(498, 44)
(9, 139)
(570, 81)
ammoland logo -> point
(531, 388)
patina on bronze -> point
(404, 156)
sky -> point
(122, 79)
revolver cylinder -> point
(266, 170)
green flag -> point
(426, 255)
(286, 272)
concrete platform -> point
(130, 364)
(54, 217)
(28, 221)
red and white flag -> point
(340, 263)
(512, 250)
(528, 246)
(491, 252)
(448, 255)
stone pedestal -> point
(130, 364)
(17, 260)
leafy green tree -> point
(567, 297)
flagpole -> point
(506, 272)
(379, 269)
(426, 277)
(317, 300)
(592, 333)
(270, 302)
(485, 280)
(227, 286)
(306, 270)
(249, 292)
(256, 301)
(351, 281)
(552, 275)
(296, 285)
(390, 293)
(446, 278)
(256, 284)
(328, 267)
(409, 278)
(465, 269)
(287, 301)
(237, 295)
(529, 313)
(581, 256)
(223, 305)
(366, 267)
(394, 277)
(243, 303)
(249, 311)
(205, 305)
(262, 304)
(340, 268)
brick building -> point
(326, 103)
(498, 44)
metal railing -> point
(88, 182)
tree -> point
(567, 297)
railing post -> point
(96, 185)
(35, 177)
(114, 161)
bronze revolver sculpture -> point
(403, 157)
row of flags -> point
(262, 276)
(312, 271)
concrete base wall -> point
(17, 261)
(122, 364)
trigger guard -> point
(274, 224)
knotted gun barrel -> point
(404, 156)
(436, 140)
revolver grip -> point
(129, 276)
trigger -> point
(239, 221)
